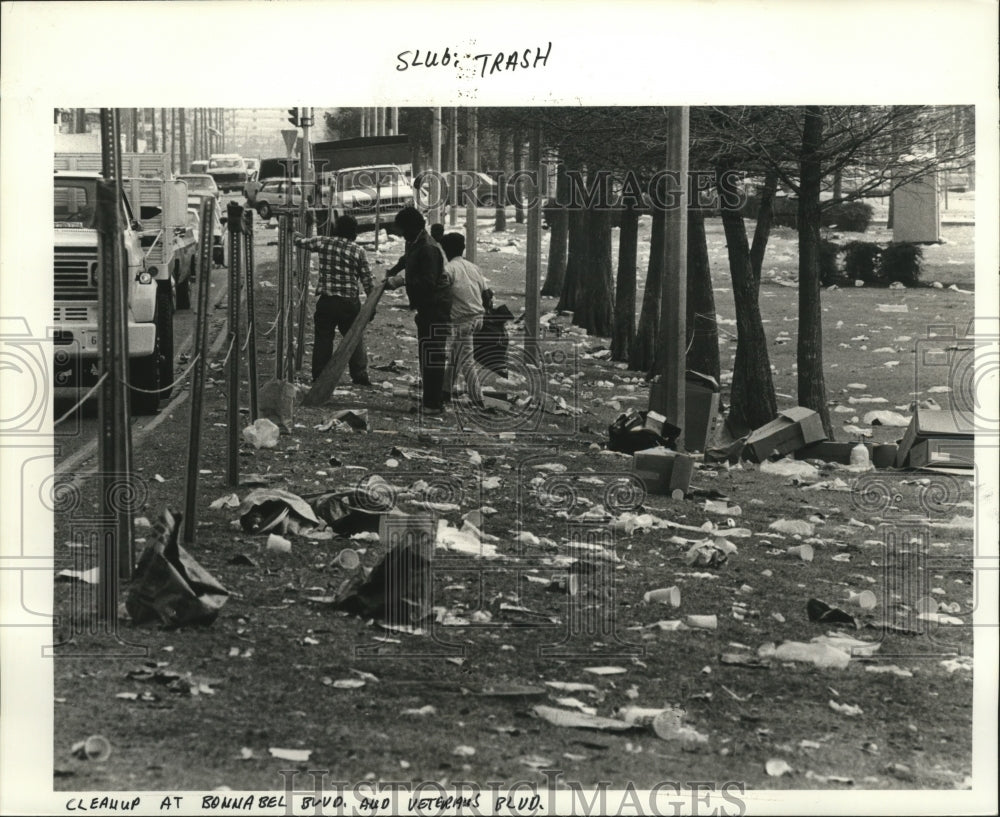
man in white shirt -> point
(467, 310)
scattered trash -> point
(793, 429)
(803, 552)
(355, 420)
(262, 434)
(889, 419)
(849, 710)
(820, 611)
(710, 553)
(96, 748)
(579, 720)
(170, 586)
(227, 501)
(422, 712)
(792, 527)
(348, 559)
(776, 767)
(665, 595)
(866, 599)
(91, 576)
(702, 622)
(571, 686)
(348, 683)
(900, 771)
(790, 468)
(820, 655)
(669, 726)
(266, 510)
(890, 669)
(278, 544)
(722, 507)
(293, 755)
(605, 670)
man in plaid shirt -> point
(342, 265)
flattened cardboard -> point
(830, 451)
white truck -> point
(160, 250)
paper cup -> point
(803, 552)
(348, 559)
(665, 595)
(279, 544)
(702, 622)
(96, 748)
(865, 599)
(927, 605)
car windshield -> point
(365, 178)
(74, 202)
(198, 182)
(220, 163)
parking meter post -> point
(248, 263)
(235, 222)
(200, 365)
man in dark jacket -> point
(429, 292)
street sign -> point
(290, 135)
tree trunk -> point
(595, 301)
(811, 385)
(628, 246)
(702, 330)
(518, 147)
(643, 349)
(152, 113)
(558, 236)
(752, 398)
(576, 259)
(182, 141)
(500, 217)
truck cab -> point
(229, 171)
(363, 192)
(158, 249)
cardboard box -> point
(793, 429)
(925, 425)
(884, 455)
(943, 452)
(701, 408)
(663, 471)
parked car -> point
(200, 183)
(272, 193)
(485, 189)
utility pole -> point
(435, 191)
(182, 139)
(471, 203)
(152, 128)
(673, 298)
(453, 165)
(533, 269)
(395, 121)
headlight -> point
(145, 277)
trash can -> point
(701, 408)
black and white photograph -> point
(499, 409)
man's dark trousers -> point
(432, 341)
(336, 312)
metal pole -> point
(248, 261)
(289, 296)
(453, 163)
(364, 122)
(534, 249)
(200, 366)
(114, 443)
(471, 208)
(395, 121)
(235, 224)
(152, 129)
(182, 155)
(673, 303)
(306, 174)
(279, 338)
(378, 208)
(435, 212)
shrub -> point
(902, 262)
(861, 261)
(828, 272)
(850, 216)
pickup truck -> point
(362, 192)
(160, 250)
(229, 171)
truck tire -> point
(165, 332)
(144, 375)
(184, 289)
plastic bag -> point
(170, 586)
